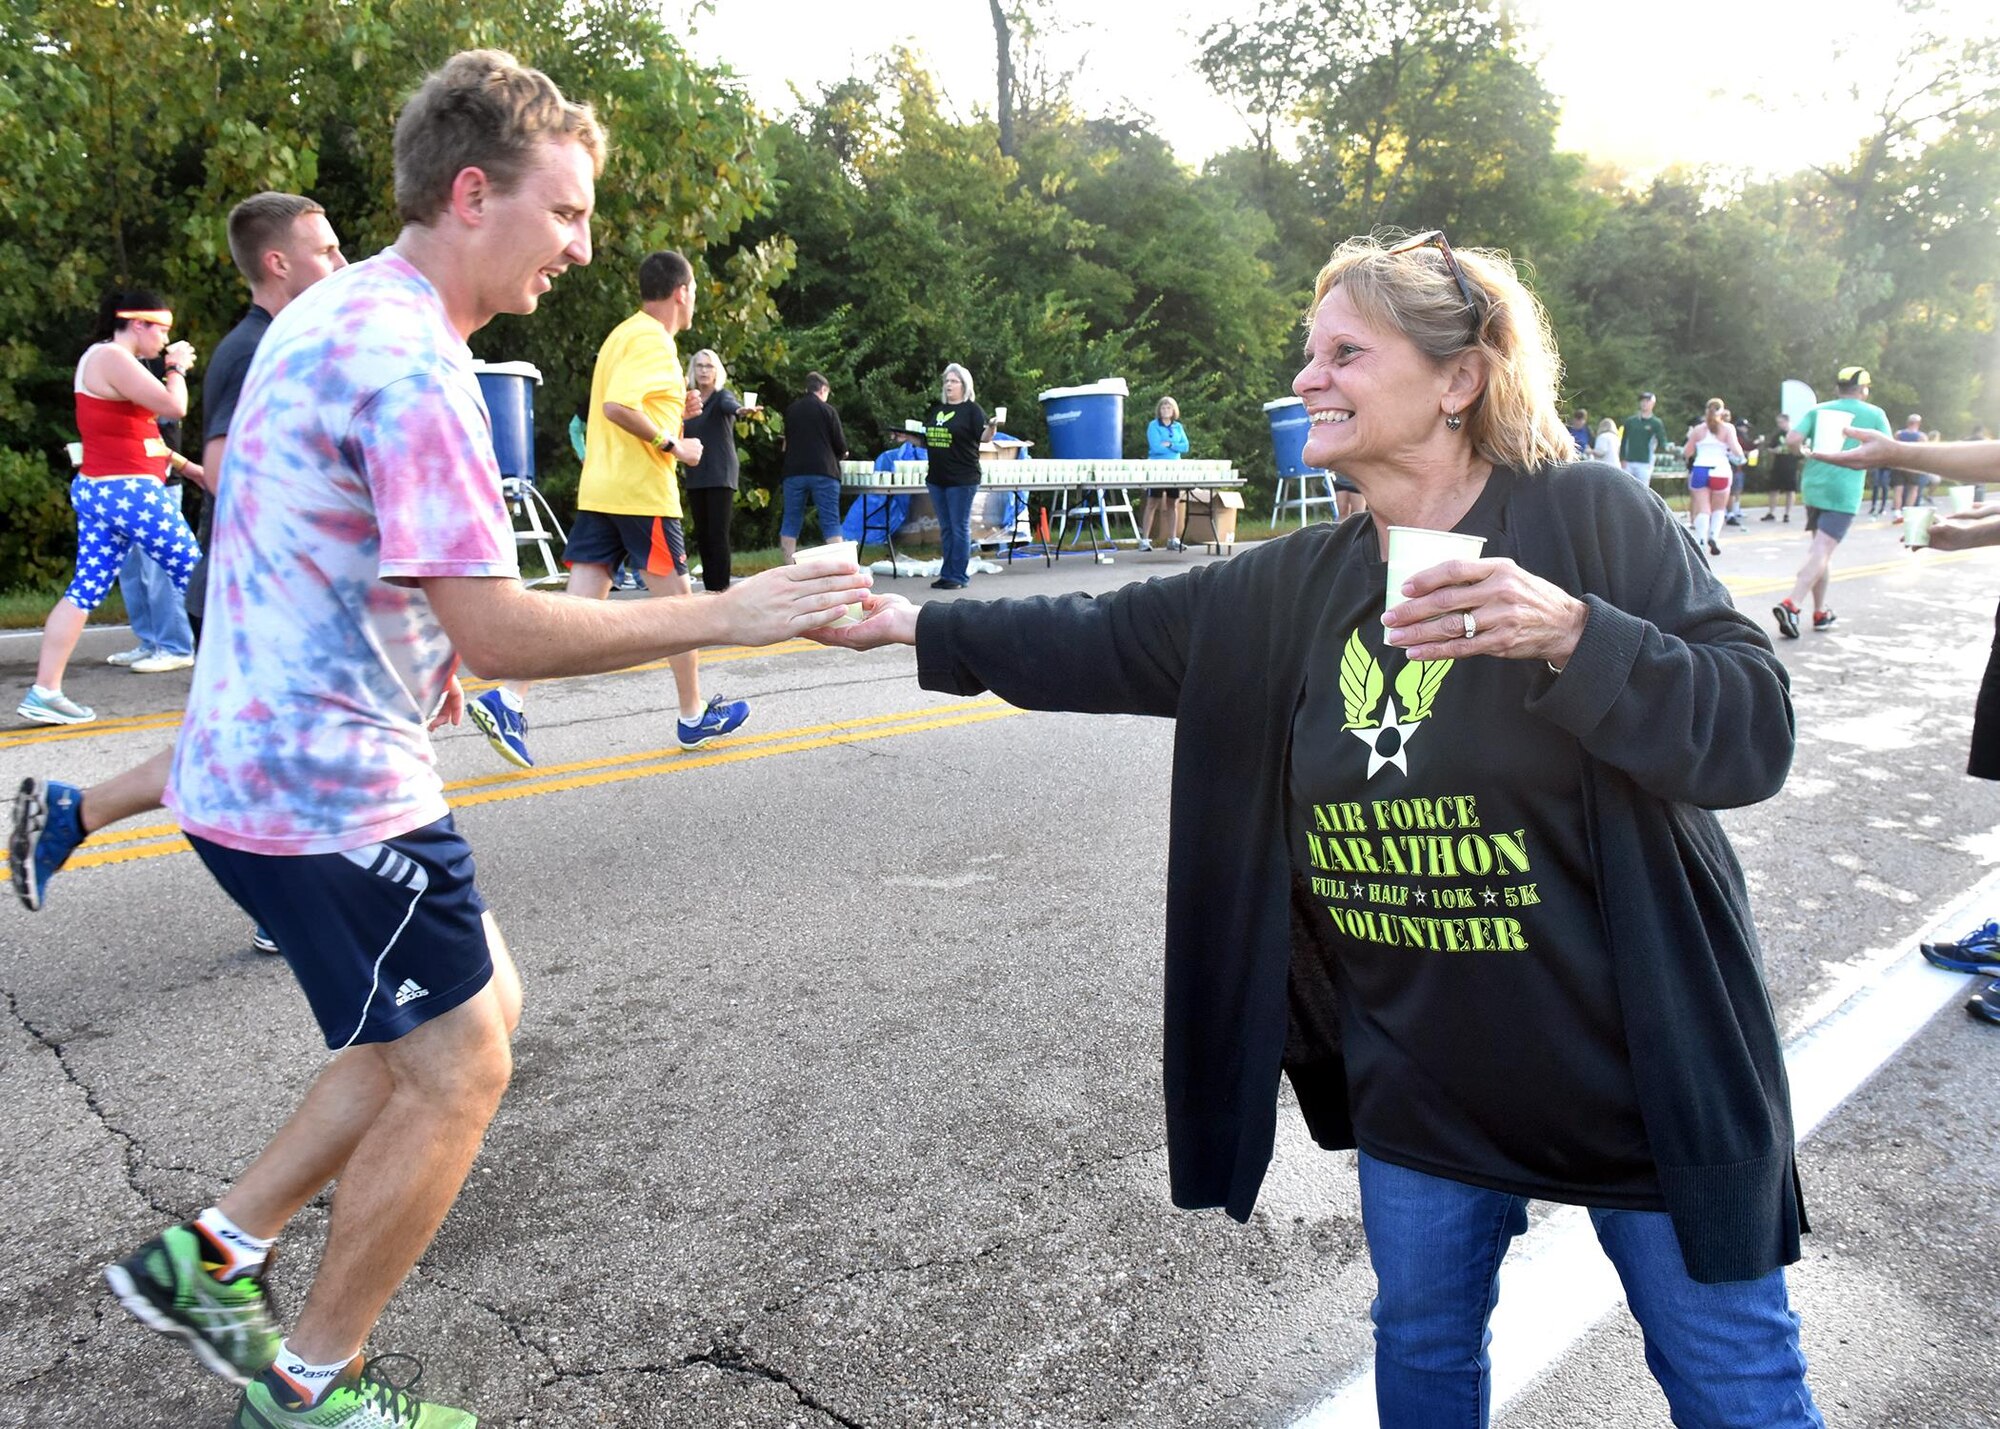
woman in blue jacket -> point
(1166, 440)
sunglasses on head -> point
(1435, 238)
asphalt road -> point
(837, 1101)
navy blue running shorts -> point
(654, 543)
(381, 938)
(1831, 524)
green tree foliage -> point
(128, 130)
(881, 232)
(1092, 254)
(1416, 114)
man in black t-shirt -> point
(282, 244)
(815, 443)
(1781, 468)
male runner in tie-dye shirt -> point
(362, 548)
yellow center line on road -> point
(159, 840)
(122, 724)
(170, 719)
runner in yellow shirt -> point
(629, 501)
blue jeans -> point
(158, 614)
(1726, 1356)
(954, 514)
(824, 493)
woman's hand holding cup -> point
(1488, 606)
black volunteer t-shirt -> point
(952, 436)
(1440, 829)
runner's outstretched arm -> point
(505, 632)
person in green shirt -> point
(1832, 494)
(1644, 434)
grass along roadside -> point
(27, 608)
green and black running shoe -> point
(230, 1325)
(363, 1397)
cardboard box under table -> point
(1211, 518)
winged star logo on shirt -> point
(1388, 738)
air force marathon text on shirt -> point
(1441, 830)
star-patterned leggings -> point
(115, 513)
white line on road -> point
(1556, 1285)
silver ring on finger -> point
(1471, 625)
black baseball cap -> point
(1647, 397)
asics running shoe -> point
(364, 1397)
(229, 1324)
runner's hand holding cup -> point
(786, 602)
(179, 357)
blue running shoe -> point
(720, 718)
(505, 728)
(53, 707)
(48, 825)
(1977, 952)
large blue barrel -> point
(1086, 423)
(1289, 425)
(509, 390)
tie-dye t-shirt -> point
(361, 458)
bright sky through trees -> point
(1742, 83)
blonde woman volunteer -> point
(1527, 965)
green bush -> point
(37, 527)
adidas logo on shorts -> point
(410, 991)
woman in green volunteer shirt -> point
(956, 427)
(1460, 880)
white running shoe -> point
(161, 663)
(130, 657)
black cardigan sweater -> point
(1679, 705)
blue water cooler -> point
(1087, 423)
(1289, 426)
(509, 390)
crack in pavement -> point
(731, 1358)
(725, 1354)
(134, 1154)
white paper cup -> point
(1413, 549)
(1917, 525)
(1830, 431)
(839, 551)
(1960, 497)
(749, 399)
(999, 414)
